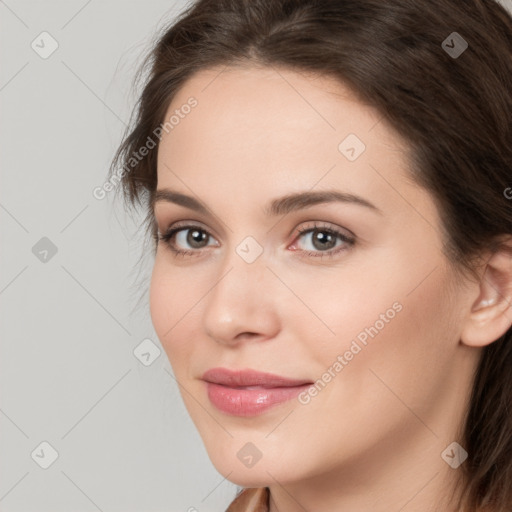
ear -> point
(491, 313)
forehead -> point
(250, 100)
(256, 129)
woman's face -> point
(362, 304)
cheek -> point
(399, 324)
(170, 302)
(410, 354)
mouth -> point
(250, 378)
(249, 392)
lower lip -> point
(250, 402)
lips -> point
(249, 392)
(246, 378)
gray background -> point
(71, 319)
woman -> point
(328, 184)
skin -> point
(372, 438)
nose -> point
(242, 304)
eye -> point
(193, 235)
(323, 239)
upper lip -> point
(248, 377)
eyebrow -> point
(279, 206)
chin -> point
(261, 474)
(248, 479)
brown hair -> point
(454, 111)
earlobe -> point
(490, 316)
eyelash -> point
(169, 235)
